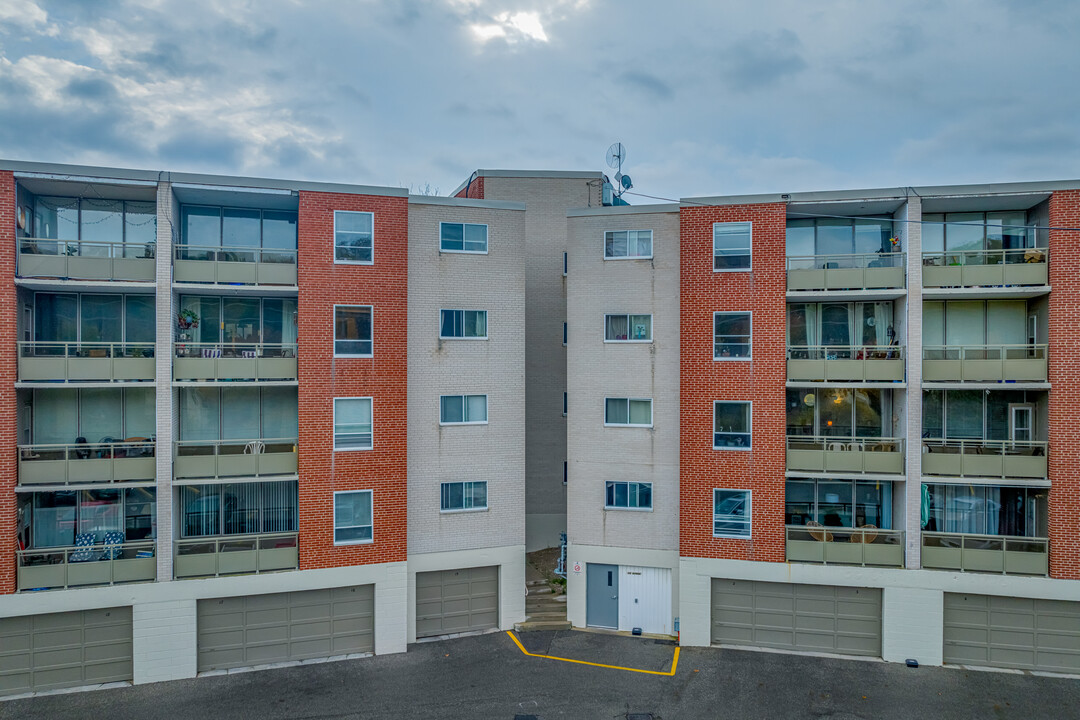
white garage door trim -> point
(456, 601)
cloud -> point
(27, 16)
(762, 59)
(511, 27)
(647, 83)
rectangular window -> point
(732, 336)
(564, 404)
(354, 234)
(731, 245)
(463, 409)
(628, 328)
(565, 264)
(628, 411)
(463, 496)
(627, 244)
(352, 517)
(238, 508)
(463, 324)
(631, 495)
(731, 426)
(352, 330)
(463, 237)
(731, 513)
(564, 333)
(352, 424)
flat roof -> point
(563, 174)
(623, 210)
(465, 202)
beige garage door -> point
(1012, 632)
(454, 601)
(261, 629)
(809, 618)
(61, 650)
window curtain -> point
(280, 412)
(476, 320)
(618, 327)
(476, 408)
(200, 417)
(100, 414)
(240, 413)
(803, 324)
(139, 413)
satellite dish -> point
(616, 155)
(627, 184)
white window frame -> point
(629, 424)
(749, 514)
(749, 424)
(333, 515)
(333, 240)
(628, 508)
(628, 316)
(333, 437)
(487, 236)
(463, 397)
(652, 246)
(749, 357)
(487, 319)
(333, 321)
(750, 248)
(451, 511)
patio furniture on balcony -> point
(83, 462)
(234, 458)
(867, 545)
(810, 453)
(87, 563)
(234, 361)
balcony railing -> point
(984, 363)
(68, 567)
(86, 260)
(234, 458)
(971, 268)
(1004, 554)
(815, 453)
(234, 265)
(863, 271)
(122, 461)
(844, 546)
(873, 363)
(984, 458)
(235, 555)
(48, 361)
(234, 361)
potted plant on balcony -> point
(187, 319)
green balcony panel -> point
(946, 276)
(883, 278)
(982, 275)
(1026, 273)
(806, 279)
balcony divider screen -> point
(238, 509)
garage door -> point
(808, 618)
(62, 650)
(454, 601)
(261, 629)
(1012, 632)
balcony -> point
(86, 260)
(844, 546)
(845, 455)
(863, 271)
(197, 459)
(985, 268)
(1003, 554)
(86, 362)
(128, 461)
(985, 458)
(859, 364)
(233, 361)
(70, 567)
(234, 265)
(235, 555)
(984, 363)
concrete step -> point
(544, 589)
(545, 605)
(537, 583)
(545, 616)
(530, 626)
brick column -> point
(166, 318)
(910, 234)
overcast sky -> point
(709, 97)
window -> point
(839, 503)
(985, 510)
(564, 333)
(627, 244)
(267, 325)
(463, 324)
(564, 404)
(565, 264)
(628, 328)
(731, 513)
(240, 415)
(352, 424)
(731, 426)
(352, 517)
(57, 517)
(628, 411)
(463, 409)
(463, 237)
(62, 321)
(732, 336)
(629, 495)
(843, 237)
(238, 508)
(463, 496)
(841, 412)
(354, 234)
(100, 221)
(565, 471)
(731, 246)
(97, 415)
(352, 330)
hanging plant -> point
(188, 319)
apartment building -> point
(206, 413)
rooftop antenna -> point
(616, 156)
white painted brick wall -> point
(167, 229)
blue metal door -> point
(602, 596)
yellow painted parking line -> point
(674, 660)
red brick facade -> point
(384, 285)
(8, 409)
(1064, 367)
(473, 190)
(704, 381)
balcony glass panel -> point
(102, 415)
(985, 509)
(102, 220)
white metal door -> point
(645, 599)
(1021, 422)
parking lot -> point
(489, 676)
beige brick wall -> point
(494, 452)
(596, 369)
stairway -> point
(543, 609)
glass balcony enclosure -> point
(982, 249)
(843, 342)
(841, 521)
(842, 254)
(236, 246)
(984, 341)
(235, 338)
(842, 430)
